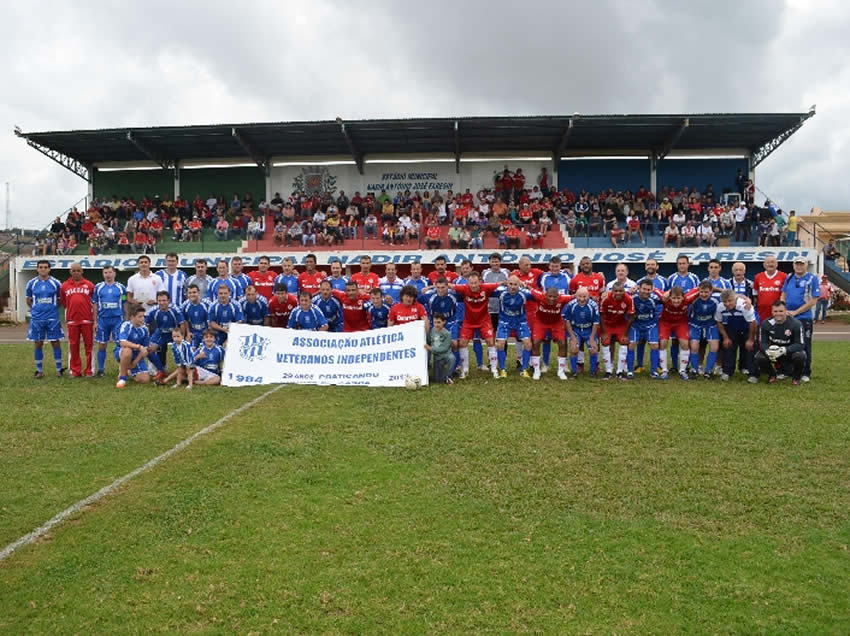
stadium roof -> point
(758, 133)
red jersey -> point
(310, 282)
(476, 304)
(614, 313)
(519, 181)
(365, 282)
(355, 316)
(401, 313)
(507, 181)
(767, 290)
(76, 296)
(263, 282)
(279, 311)
(677, 315)
(595, 283)
(467, 199)
(435, 275)
(530, 278)
(549, 313)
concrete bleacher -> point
(555, 239)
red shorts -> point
(556, 331)
(615, 335)
(484, 329)
(679, 331)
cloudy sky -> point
(94, 65)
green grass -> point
(487, 506)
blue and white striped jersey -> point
(174, 285)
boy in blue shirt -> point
(208, 360)
(184, 358)
(378, 311)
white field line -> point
(107, 490)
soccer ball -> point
(411, 382)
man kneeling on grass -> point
(208, 360)
(134, 341)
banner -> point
(268, 355)
(478, 257)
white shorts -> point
(204, 375)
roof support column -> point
(352, 148)
(457, 147)
(558, 151)
(653, 175)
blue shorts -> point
(161, 340)
(41, 330)
(583, 337)
(503, 331)
(703, 333)
(142, 367)
(454, 329)
(107, 328)
(648, 333)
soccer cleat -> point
(449, 381)
(664, 375)
(525, 374)
(655, 375)
(638, 369)
(684, 375)
(160, 382)
(503, 373)
(121, 383)
(805, 378)
(188, 387)
(608, 375)
(781, 376)
(159, 376)
(61, 373)
(562, 375)
(544, 368)
(100, 373)
(752, 379)
(724, 377)
(745, 371)
(771, 379)
(483, 367)
(621, 375)
(39, 375)
(495, 374)
(536, 375)
(707, 376)
(464, 373)
(795, 382)
(176, 386)
(89, 375)
(693, 375)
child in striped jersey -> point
(184, 358)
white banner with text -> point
(268, 355)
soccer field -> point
(508, 505)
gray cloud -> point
(97, 65)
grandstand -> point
(234, 172)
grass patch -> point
(489, 505)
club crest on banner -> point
(253, 347)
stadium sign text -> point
(381, 357)
(478, 257)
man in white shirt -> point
(742, 228)
(143, 286)
(706, 234)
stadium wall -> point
(698, 173)
(222, 181)
(394, 176)
(596, 174)
(134, 183)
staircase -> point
(836, 276)
(556, 238)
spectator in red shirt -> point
(75, 295)
(513, 235)
(432, 238)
